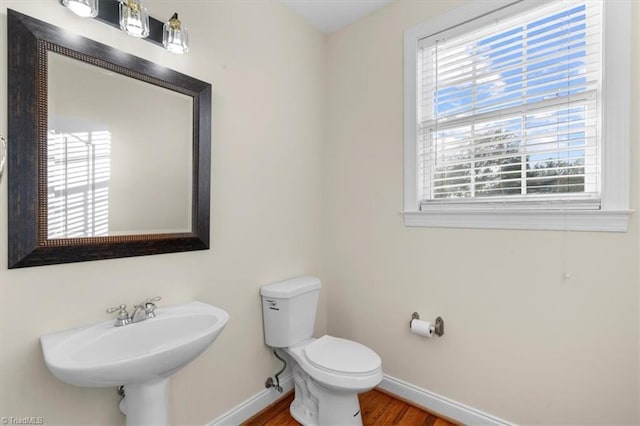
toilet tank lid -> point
(292, 287)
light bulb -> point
(83, 8)
(134, 19)
(175, 37)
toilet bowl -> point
(328, 372)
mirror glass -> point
(118, 157)
(110, 154)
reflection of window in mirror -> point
(78, 172)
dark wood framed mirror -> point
(109, 154)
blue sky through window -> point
(516, 56)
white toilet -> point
(328, 372)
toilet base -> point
(315, 405)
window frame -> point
(613, 214)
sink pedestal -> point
(147, 403)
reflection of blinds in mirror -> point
(78, 173)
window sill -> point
(553, 220)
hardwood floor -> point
(378, 408)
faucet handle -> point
(148, 300)
(123, 315)
(150, 307)
(122, 310)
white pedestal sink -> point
(140, 356)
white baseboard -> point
(421, 397)
(439, 404)
(253, 405)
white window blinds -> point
(78, 175)
(509, 111)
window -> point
(509, 119)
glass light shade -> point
(84, 8)
(134, 19)
(175, 37)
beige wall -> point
(267, 69)
(521, 343)
(635, 159)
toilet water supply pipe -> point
(269, 383)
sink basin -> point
(140, 356)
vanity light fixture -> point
(84, 8)
(175, 37)
(134, 19)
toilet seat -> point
(327, 361)
(343, 356)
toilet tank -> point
(289, 310)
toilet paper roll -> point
(421, 328)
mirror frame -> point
(29, 41)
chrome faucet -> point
(146, 310)
(141, 312)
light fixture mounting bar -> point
(109, 13)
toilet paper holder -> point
(438, 326)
